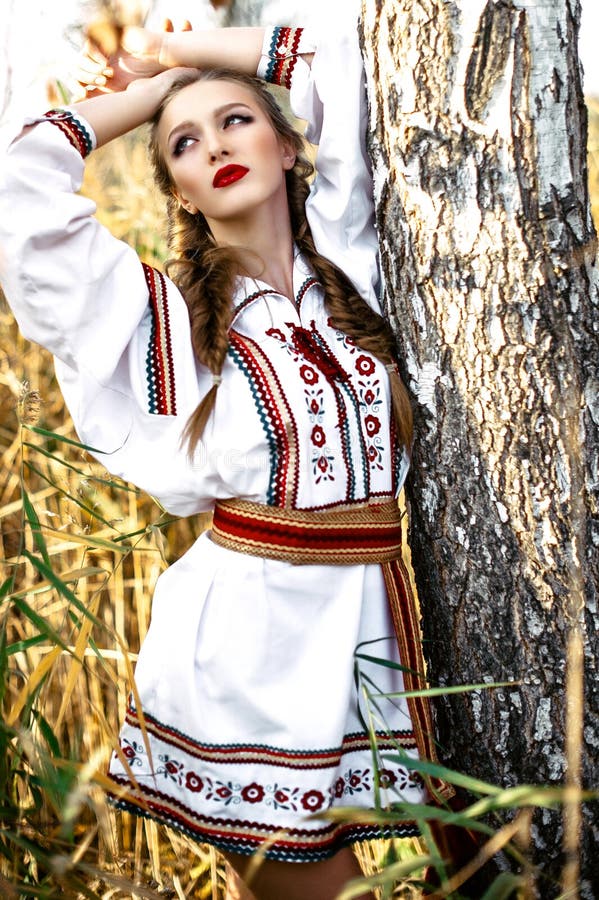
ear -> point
(187, 205)
(288, 156)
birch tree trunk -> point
(488, 249)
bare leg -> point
(236, 889)
(299, 881)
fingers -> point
(167, 25)
(92, 72)
(105, 35)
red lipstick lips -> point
(227, 175)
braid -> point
(206, 273)
(348, 310)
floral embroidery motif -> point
(253, 793)
(132, 752)
(370, 398)
(276, 333)
(193, 782)
(302, 346)
(386, 778)
(171, 769)
(318, 436)
(373, 425)
(347, 341)
(309, 375)
(365, 365)
(284, 797)
(279, 796)
(352, 782)
(313, 800)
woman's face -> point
(224, 156)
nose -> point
(216, 147)
(215, 155)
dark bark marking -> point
(489, 56)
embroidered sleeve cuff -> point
(77, 131)
(281, 48)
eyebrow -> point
(184, 126)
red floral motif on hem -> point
(352, 781)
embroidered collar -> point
(251, 289)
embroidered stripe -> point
(304, 288)
(404, 612)
(275, 415)
(159, 358)
(73, 128)
(290, 844)
(283, 53)
(249, 299)
(240, 754)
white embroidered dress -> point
(247, 677)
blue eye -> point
(182, 145)
(236, 118)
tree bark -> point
(488, 253)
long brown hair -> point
(206, 273)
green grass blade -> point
(389, 876)
(436, 770)
(7, 586)
(21, 646)
(88, 509)
(32, 520)
(504, 886)
(46, 732)
(453, 689)
(40, 623)
(386, 663)
(59, 437)
(119, 486)
(60, 586)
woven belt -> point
(366, 534)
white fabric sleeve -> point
(68, 280)
(77, 290)
(331, 96)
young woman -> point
(258, 381)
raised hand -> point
(113, 58)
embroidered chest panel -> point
(324, 410)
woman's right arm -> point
(147, 63)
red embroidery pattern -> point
(285, 796)
(304, 345)
(159, 359)
(241, 754)
(276, 417)
(370, 397)
(297, 844)
(73, 128)
(283, 54)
